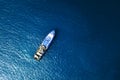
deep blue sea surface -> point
(86, 46)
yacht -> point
(44, 45)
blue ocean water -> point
(86, 46)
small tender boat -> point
(44, 45)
